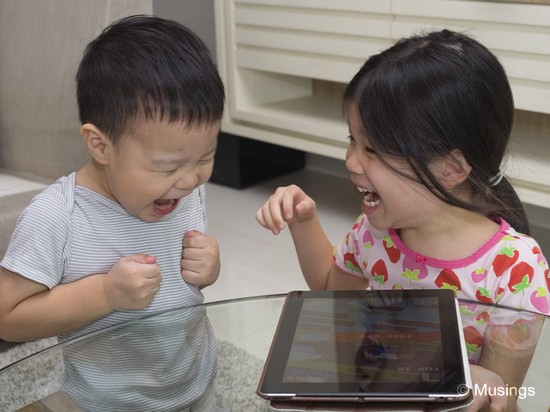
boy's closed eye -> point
(165, 168)
(207, 160)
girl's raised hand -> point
(288, 204)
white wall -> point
(198, 15)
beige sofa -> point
(41, 43)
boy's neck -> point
(92, 177)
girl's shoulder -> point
(513, 247)
(520, 272)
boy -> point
(104, 244)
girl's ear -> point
(452, 169)
(98, 145)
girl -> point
(429, 122)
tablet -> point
(368, 346)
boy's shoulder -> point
(62, 192)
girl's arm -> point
(508, 350)
(290, 205)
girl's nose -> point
(352, 163)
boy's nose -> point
(187, 182)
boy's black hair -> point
(145, 67)
(431, 94)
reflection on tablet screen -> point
(373, 342)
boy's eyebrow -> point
(211, 151)
(161, 162)
(164, 161)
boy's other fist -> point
(200, 263)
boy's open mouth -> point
(370, 198)
(165, 206)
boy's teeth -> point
(164, 203)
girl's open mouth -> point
(370, 198)
(165, 206)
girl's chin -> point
(376, 221)
(368, 210)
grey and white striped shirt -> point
(69, 232)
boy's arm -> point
(29, 310)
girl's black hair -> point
(431, 94)
(145, 67)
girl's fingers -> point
(274, 212)
(265, 219)
(279, 209)
(288, 205)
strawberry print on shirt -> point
(509, 270)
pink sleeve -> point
(347, 252)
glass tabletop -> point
(221, 346)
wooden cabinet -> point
(285, 62)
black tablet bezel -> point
(272, 385)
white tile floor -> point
(254, 261)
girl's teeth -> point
(369, 195)
(370, 203)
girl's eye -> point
(368, 149)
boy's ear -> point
(98, 145)
(452, 169)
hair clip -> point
(495, 180)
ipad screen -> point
(368, 342)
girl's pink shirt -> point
(509, 271)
